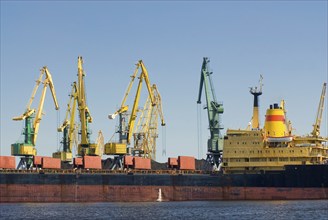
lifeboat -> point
(280, 139)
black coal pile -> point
(66, 166)
(200, 164)
(105, 164)
(158, 166)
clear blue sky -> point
(285, 41)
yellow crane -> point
(146, 132)
(316, 126)
(85, 147)
(68, 128)
(126, 131)
(31, 129)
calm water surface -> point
(315, 210)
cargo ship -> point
(295, 182)
(268, 163)
(255, 166)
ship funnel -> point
(275, 125)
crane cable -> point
(58, 125)
(164, 140)
(199, 131)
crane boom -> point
(159, 104)
(214, 109)
(144, 74)
(38, 117)
(316, 126)
(123, 107)
(82, 103)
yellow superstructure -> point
(273, 147)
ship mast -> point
(256, 92)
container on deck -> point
(186, 163)
(50, 163)
(141, 163)
(91, 162)
(128, 160)
(78, 161)
(7, 162)
(37, 160)
(172, 162)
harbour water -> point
(309, 209)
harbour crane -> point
(146, 133)
(32, 119)
(214, 111)
(126, 130)
(68, 128)
(85, 147)
(316, 126)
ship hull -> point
(296, 182)
(67, 193)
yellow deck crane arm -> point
(316, 126)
